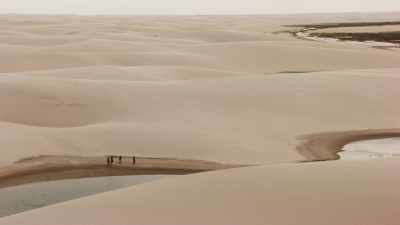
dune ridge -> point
(219, 91)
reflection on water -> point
(30, 196)
(370, 149)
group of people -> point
(110, 159)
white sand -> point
(210, 88)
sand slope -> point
(227, 89)
(248, 119)
(315, 194)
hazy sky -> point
(193, 6)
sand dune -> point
(281, 194)
(233, 115)
(259, 57)
(246, 45)
(229, 89)
(134, 73)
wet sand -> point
(326, 146)
(233, 90)
(47, 168)
(315, 147)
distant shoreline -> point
(309, 32)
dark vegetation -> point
(335, 25)
(389, 37)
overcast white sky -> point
(193, 6)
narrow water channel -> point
(30, 196)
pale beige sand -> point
(221, 89)
(251, 119)
(346, 193)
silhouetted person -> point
(112, 160)
(120, 159)
(133, 160)
(108, 160)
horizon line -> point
(197, 14)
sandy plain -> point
(227, 89)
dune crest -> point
(219, 91)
